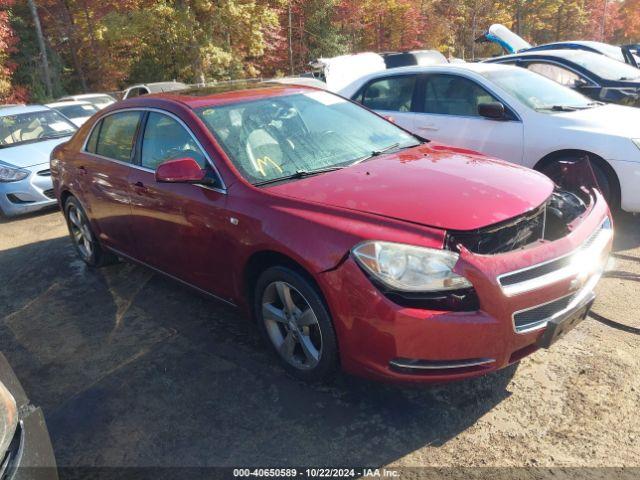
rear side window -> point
(93, 139)
(454, 95)
(394, 94)
(165, 139)
(117, 135)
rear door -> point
(391, 96)
(103, 170)
(447, 112)
(180, 229)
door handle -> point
(139, 188)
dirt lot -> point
(133, 369)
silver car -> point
(28, 134)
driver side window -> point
(165, 139)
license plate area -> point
(558, 327)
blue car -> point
(28, 134)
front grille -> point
(534, 272)
(537, 275)
(50, 194)
(534, 317)
(44, 173)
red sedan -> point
(350, 241)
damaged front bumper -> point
(520, 288)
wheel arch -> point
(605, 166)
(261, 260)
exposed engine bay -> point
(549, 222)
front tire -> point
(296, 323)
(85, 242)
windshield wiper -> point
(299, 174)
(377, 153)
(57, 135)
(562, 108)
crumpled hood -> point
(29, 154)
(430, 185)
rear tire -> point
(296, 324)
(82, 236)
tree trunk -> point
(71, 34)
(42, 47)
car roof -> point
(586, 43)
(567, 54)
(443, 67)
(18, 109)
(86, 95)
(227, 92)
(65, 103)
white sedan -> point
(75, 110)
(513, 114)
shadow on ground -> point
(133, 369)
(627, 228)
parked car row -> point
(512, 43)
(598, 70)
(353, 242)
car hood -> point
(511, 42)
(429, 185)
(615, 120)
(29, 154)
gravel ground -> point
(132, 369)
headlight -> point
(408, 268)
(636, 141)
(11, 174)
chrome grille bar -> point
(545, 273)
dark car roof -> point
(566, 54)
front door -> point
(180, 229)
(448, 106)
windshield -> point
(279, 137)
(611, 51)
(537, 91)
(77, 111)
(605, 67)
(33, 127)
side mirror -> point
(579, 83)
(492, 111)
(180, 170)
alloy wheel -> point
(80, 232)
(292, 325)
